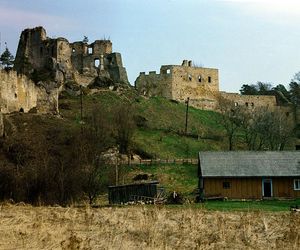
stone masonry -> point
(200, 85)
(19, 93)
(62, 61)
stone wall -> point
(154, 84)
(250, 101)
(182, 82)
(200, 85)
(18, 93)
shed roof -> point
(250, 164)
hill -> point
(160, 123)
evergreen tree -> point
(7, 59)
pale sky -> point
(247, 40)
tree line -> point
(66, 164)
(262, 128)
(283, 96)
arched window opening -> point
(199, 79)
(21, 110)
(97, 62)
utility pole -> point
(81, 111)
(81, 108)
(187, 114)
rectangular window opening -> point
(209, 79)
(226, 185)
(90, 50)
(297, 184)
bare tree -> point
(264, 129)
(232, 118)
(124, 126)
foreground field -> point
(26, 227)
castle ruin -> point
(44, 67)
(62, 61)
(199, 84)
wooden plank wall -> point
(123, 194)
(248, 188)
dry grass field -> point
(145, 227)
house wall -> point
(248, 188)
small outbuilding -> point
(132, 192)
(249, 174)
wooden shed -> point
(125, 193)
(249, 174)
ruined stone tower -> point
(44, 58)
(199, 84)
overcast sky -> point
(247, 40)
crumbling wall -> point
(182, 82)
(154, 84)
(19, 93)
(250, 101)
(43, 58)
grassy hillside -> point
(163, 121)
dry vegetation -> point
(138, 227)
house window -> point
(252, 104)
(73, 50)
(90, 50)
(247, 104)
(199, 78)
(168, 71)
(297, 184)
(190, 78)
(209, 79)
(226, 185)
(236, 104)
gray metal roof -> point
(250, 164)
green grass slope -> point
(161, 134)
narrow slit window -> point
(199, 79)
(209, 79)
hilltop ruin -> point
(45, 66)
(41, 57)
(199, 84)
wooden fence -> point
(160, 161)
